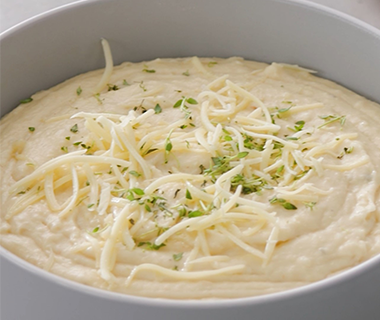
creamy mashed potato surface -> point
(192, 178)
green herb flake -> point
(90, 205)
(157, 109)
(138, 191)
(283, 110)
(168, 146)
(227, 138)
(348, 150)
(195, 213)
(149, 70)
(283, 203)
(77, 143)
(242, 155)
(332, 118)
(289, 206)
(142, 86)
(27, 100)
(310, 205)
(64, 149)
(67, 138)
(32, 129)
(178, 103)
(125, 83)
(74, 128)
(151, 246)
(177, 256)
(95, 230)
(150, 151)
(79, 91)
(186, 73)
(191, 101)
(135, 173)
(188, 195)
(211, 64)
(97, 97)
(112, 87)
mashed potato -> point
(192, 178)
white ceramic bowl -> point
(57, 45)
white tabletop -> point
(13, 12)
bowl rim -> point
(331, 281)
(302, 3)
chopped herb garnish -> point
(241, 155)
(138, 191)
(77, 143)
(98, 230)
(332, 118)
(348, 150)
(142, 86)
(186, 73)
(289, 206)
(67, 138)
(149, 151)
(74, 128)
(188, 195)
(191, 101)
(176, 192)
(249, 185)
(132, 222)
(90, 205)
(32, 129)
(298, 127)
(151, 246)
(157, 109)
(64, 149)
(196, 213)
(168, 146)
(27, 100)
(79, 91)
(112, 87)
(125, 83)
(310, 205)
(149, 70)
(211, 64)
(135, 173)
(183, 107)
(345, 151)
(97, 97)
(177, 256)
(283, 110)
(227, 138)
(222, 164)
(283, 202)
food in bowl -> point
(192, 178)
